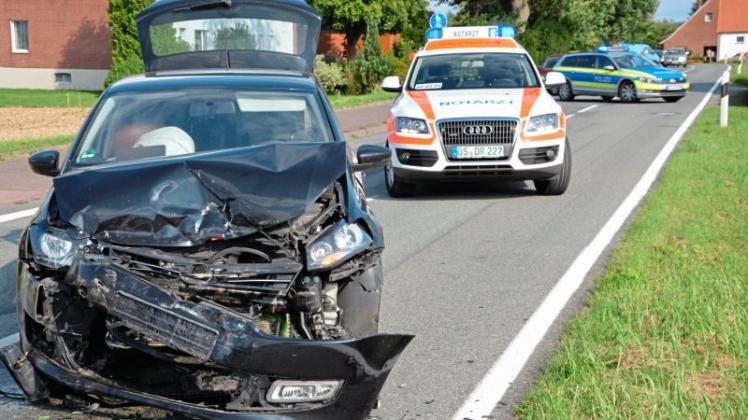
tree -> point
(351, 16)
(126, 56)
(165, 41)
(236, 37)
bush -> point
(367, 70)
(399, 66)
(330, 76)
(126, 57)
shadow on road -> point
(450, 191)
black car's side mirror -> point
(372, 156)
(45, 163)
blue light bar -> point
(438, 21)
(434, 33)
(506, 31)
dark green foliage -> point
(370, 67)
(126, 57)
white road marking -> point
(570, 116)
(9, 340)
(17, 215)
(589, 108)
(505, 370)
(688, 69)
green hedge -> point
(126, 57)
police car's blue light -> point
(438, 21)
(506, 30)
(434, 33)
(602, 49)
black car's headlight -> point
(54, 248)
(337, 244)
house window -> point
(741, 40)
(201, 40)
(63, 78)
(19, 36)
(708, 17)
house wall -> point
(729, 45)
(696, 34)
(70, 36)
(334, 43)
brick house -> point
(719, 25)
(48, 44)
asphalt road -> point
(466, 265)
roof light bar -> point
(438, 29)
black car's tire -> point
(359, 297)
(565, 92)
(396, 187)
(627, 92)
(559, 183)
(673, 99)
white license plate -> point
(477, 152)
(674, 87)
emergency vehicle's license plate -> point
(477, 152)
(674, 87)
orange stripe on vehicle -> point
(448, 44)
(529, 97)
(423, 102)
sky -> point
(677, 10)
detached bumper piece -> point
(226, 353)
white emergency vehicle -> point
(474, 107)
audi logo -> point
(482, 130)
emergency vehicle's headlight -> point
(411, 126)
(648, 80)
(542, 123)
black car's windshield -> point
(136, 126)
(473, 71)
(630, 61)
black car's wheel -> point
(396, 187)
(559, 183)
(673, 99)
(359, 297)
(565, 92)
(627, 92)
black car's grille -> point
(477, 132)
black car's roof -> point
(228, 80)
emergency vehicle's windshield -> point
(630, 61)
(473, 71)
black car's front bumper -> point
(217, 336)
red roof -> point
(733, 16)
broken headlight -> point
(339, 243)
(54, 248)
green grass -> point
(10, 148)
(665, 331)
(35, 98)
(349, 101)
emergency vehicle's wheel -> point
(559, 183)
(627, 92)
(396, 187)
(565, 92)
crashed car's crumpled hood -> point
(189, 200)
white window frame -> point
(708, 17)
(14, 41)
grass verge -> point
(665, 332)
(36, 98)
(9, 148)
(349, 101)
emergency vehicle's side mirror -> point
(554, 79)
(392, 84)
(609, 68)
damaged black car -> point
(207, 247)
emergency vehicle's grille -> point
(475, 132)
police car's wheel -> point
(627, 92)
(559, 183)
(395, 186)
(565, 93)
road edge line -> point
(492, 387)
(4, 218)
